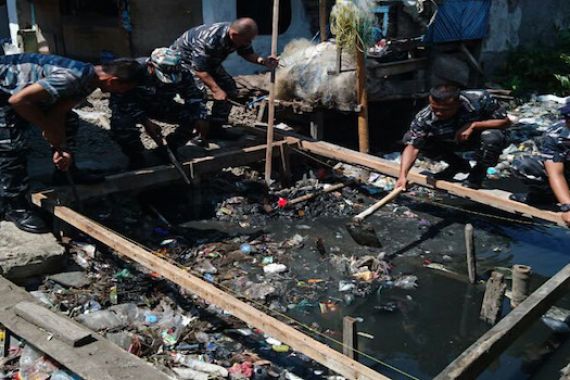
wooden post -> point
(470, 249)
(362, 97)
(493, 299)
(285, 168)
(323, 20)
(521, 278)
(269, 152)
(317, 125)
(349, 337)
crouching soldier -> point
(42, 90)
(456, 121)
(156, 97)
(547, 175)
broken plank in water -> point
(489, 347)
(493, 299)
(317, 351)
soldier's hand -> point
(220, 95)
(271, 62)
(62, 160)
(566, 218)
(464, 133)
(402, 182)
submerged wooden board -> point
(298, 341)
(493, 198)
(480, 354)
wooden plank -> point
(99, 360)
(279, 330)
(480, 354)
(167, 173)
(349, 337)
(392, 169)
(61, 327)
(493, 299)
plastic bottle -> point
(245, 248)
(197, 365)
(274, 268)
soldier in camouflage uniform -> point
(547, 175)
(42, 90)
(454, 121)
(203, 50)
(155, 98)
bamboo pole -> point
(323, 20)
(269, 152)
(362, 95)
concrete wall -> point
(159, 23)
(216, 11)
(515, 23)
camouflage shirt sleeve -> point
(419, 129)
(246, 50)
(62, 84)
(552, 150)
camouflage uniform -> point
(436, 138)
(156, 100)
(204, 48)
(554, 146)
(62, 78)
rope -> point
(264, 307)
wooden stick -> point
(362, 96)
(349, 337)
(271, 120)
(297, 340)
(521, 278)
(323, 20)
(493, 299)
(372, 209)
(470, 249)
(310, 196)
(480, 354)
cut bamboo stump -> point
(521, 279)
(493, 299)
(470, 249)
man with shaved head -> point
(203, 50)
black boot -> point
(80, 177)
(534, 197)
(24, 216)
(476, 177)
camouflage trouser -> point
(126, 117)
(221, 109)
(14, 149)
(488, 146)
(531, 171)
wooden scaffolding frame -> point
(478, 356)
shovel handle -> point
(372, 209)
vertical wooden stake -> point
(323, 20)
(470, 248)
(269, 151)
(362, 96)
(285, 168)
(493, 298)
(349, 337)
(521, 278)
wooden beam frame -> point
(486, 197)
(167, 173)
(317, 351)
(476, 358)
